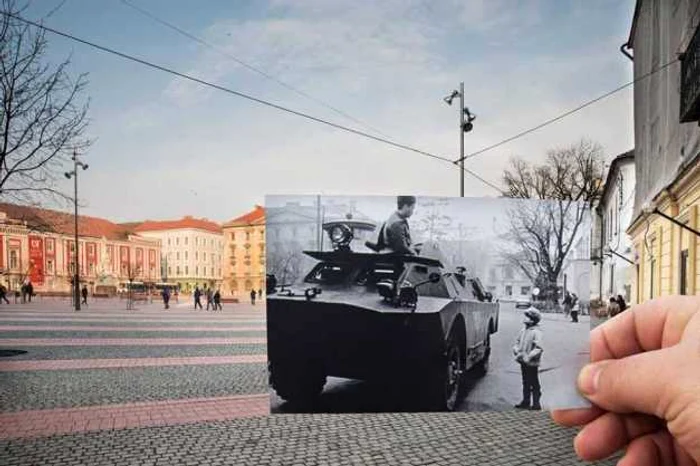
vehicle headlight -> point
(340, 234)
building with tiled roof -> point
(244, 254)
(39, 245)
(191, 248)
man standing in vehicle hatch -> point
(396, 233)
(528, 353)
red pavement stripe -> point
(5, 342)
(42, 423)
(16, 328)
(69, 364)
(74, 318)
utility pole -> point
(461, 139)
(465, 125)
(76, 272)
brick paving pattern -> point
(161, 393)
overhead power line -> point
(248, 66)
(248, 97)
(566, 114)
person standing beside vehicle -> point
(528, 353)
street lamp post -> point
(76, 273)
(464, 127)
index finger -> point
(653, 325)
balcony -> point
(690, 81)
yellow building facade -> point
(244, 255)
(667, 254)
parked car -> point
(378, 316)
(523, 304)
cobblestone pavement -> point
(74, 404)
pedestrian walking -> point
(621, 302)
(567, 303)
(613, 307)
(3, 294)
(210, 299)
(528, 353)
(166, 297)
(259, 294)
(217, 301)
(252, 297)
(23, 290)
(197, 298)
(84, 293)
(30, 290)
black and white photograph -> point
(411, 303)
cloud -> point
(388, 64)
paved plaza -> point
(150, 386)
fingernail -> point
(588, 379)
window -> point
(205, 256)
(509, 290)
(185, 255)
(187, 270)
(49, 266)
(196, 270)
(177, 241)
(196, 255)
(524, 290)
(185, 240)
(508, 272)
(233, 237)
(177, 271)
(170, 270)
(168, 241)
(205, 272)
(49, 245)
(684, 272)
(652, 265)
(14, 259)
(177, 255)
(247, 236)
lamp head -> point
(448, 100)
(68, 175)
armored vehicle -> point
(379, 316)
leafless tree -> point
(543, 234)
(432, 224)
(42, 119)
(285, 263)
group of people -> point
(253, 294)
(213, 298)
(615, 305)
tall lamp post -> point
(465, 125)
(76, 275)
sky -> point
(166, 148)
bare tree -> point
(42, 121)
(543, 234)
(285, 263)
(432, 224)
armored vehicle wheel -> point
(295, 383)
(447, 384)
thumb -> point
(643, 383)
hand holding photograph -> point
(399, 303)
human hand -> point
(644, 382)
